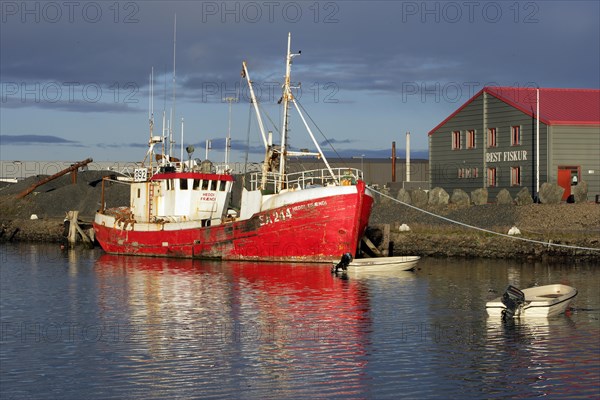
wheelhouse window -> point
(196, 184)
(471, 139)
(204, 184)
(491, 137)
(223, 186)
(515, 135)
(213, 185)
(183, 184)
(515, 176)
(455, 140)
(491, 177)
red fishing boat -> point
(183, 209)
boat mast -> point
(181, 157)
(164, 124)
(173, 115)
(151, 104)
(228, 139)
(151, 141)
(268, 144)
(287, 97)
(261, 126)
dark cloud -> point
(365, 46)
(75, 106)
(390, 65)
(335, 141)
(35, 139)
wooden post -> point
(385, 243)
(383, 250)
(72, 217)
(74, 229)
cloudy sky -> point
(75, 75)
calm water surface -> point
(83, 324)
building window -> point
(515, 134)
(467, 173)
(471, 139)
(456, 140)
(515, 176)
(491, 138)
(491, 177)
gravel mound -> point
(55, 198)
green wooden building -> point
(496, 140)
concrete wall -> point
(376, 171)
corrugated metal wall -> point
(482, 113)
(577, 146)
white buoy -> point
(404, 228)
(514, 231)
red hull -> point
(319, 230)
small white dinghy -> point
(540, 301)
(377, 264)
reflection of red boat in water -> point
(270, 313)
(182, 209)
(304, 298)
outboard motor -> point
(513, 299)
(343, 264)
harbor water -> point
(83, 324)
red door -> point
(564, 181)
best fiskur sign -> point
(500, 156)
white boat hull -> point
(540, 302)
(400, 263)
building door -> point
(567, 176)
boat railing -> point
(306, 179)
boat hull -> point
(399, 263)
(540, 302)
(316, 230)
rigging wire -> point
(319, 129)
(483, 229)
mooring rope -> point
(483, 229)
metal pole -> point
(537, 146)
(393, 161)
(407, 156)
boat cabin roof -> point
(191, 175)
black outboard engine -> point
(343, 264)
(513, 299)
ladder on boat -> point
(150, 200)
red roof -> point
(557, 106)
